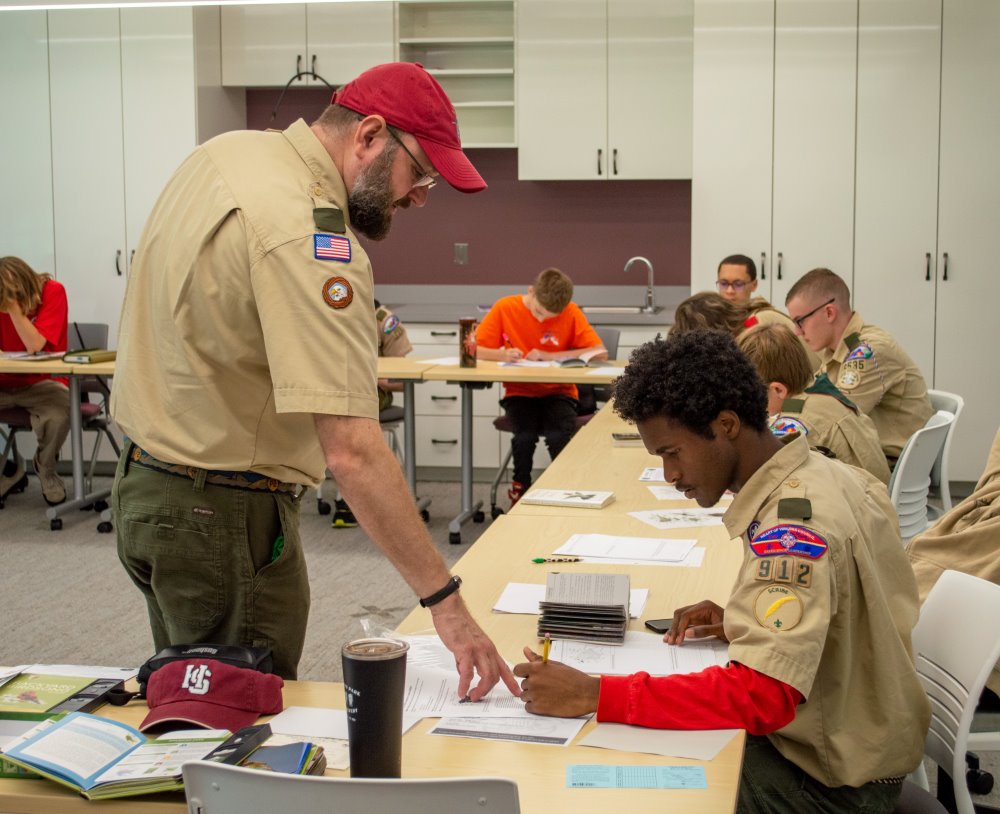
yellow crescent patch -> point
(778, 608)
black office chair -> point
(590, 398)
(15, 419)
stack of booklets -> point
(89, 356)
(587, 607)
(581, 498)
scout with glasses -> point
(737, 278)
(862, 360)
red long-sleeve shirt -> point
(733, 697)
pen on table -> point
(545, 648)
(557, 559)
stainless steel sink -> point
(618, 309)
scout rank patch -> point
(337, 292)
(784, 425)
(788, 539)
(777, 608)
(332, 247)
(849, 379)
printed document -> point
(681, 518)
(641, 651)
(640, 550)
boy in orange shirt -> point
(542, 324)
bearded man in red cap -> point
(247, 366)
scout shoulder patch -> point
(329, 219)
(332, 247)
(777, 608)
(860, 351)
(390, 324)
(790, 570)
(849, 379)
(788, 539)
(785, 425)
(337, 292)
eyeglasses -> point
(735, 285)
(799, 320)
(424, 178)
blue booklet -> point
(289, 758)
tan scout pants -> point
(48, 405)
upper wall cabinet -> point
(774, 83)
(267, 45)
(604, 89)
(469, 48)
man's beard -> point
(370, 204)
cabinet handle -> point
(118, 264)
(614, 160)
(298, 64)
(448, 441)
(313, 68)
(131, 258)
(763, 265)
(600, 152)
(444, 398)
(945, 276)
(927, 277)
(780, 258)
(444, 333)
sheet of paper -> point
(533, 729)
(528, 363)
(428, 651)
(83, 671)
(692, 560)
(523, 597)
(581, 776)
(641, 651)
(598, 371)
(7, 673)
(654, 474)
(668, 492)
(632, 549)
(316, 722)
(434, 694)
(694, 745)
(681, 518)
(442, 360)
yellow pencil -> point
(545, 648)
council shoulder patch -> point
(861, 351)
(784, 425)
(390, 324)
(791, 539)
(777, 608)
(337, 292)
(332, 247)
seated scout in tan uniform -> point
(966, 539)
(801, 405)
(862, 360)
(707, 309)
(821, 671)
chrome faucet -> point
(649, 307)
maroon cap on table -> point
(210, 693)
(410, 99)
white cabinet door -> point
(731, 158)
(969, 213)
(88, 185)
(649, 122)
(345, 39)
(25, 148)
(895, 222)
(263, 45)
(815, 70)
(158, 105)
(562, 90)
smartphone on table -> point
(659, 625)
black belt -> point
(252, 481)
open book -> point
(101, 758)
(581, 498)
(586, 359)
(26, 356)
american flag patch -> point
(332, 247)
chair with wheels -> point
(214, 788)
(593, 395)
(953, 660)
(954, 404)
(911, 478)
(13, 478)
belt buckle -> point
(273, 484)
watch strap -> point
(449, 588)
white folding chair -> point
(911, 479)
(954, 404)
(954, 658)
(213, 788)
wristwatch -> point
(450, 587)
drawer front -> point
(442, 338)
(442, 398)
(439, 442)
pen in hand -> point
(545, 648)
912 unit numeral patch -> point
(788, 570)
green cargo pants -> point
(205, 558)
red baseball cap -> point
(410, 99)
(210, 693)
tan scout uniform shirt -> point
(772, 316)
(966, 539)
(832, 619)
(829, 424)
(875, 373)
(233, 333)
